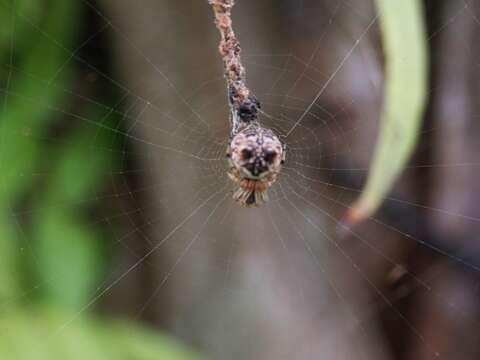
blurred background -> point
(119, 238)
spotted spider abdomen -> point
(256, 155)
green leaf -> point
(47, 335)
(17, 164)
(27, 109)
(9, 275)
(405, 45)
(81, 167)
(32, 9)
(30, 103)
(69, 258)
(61, 227)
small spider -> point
(255, 158)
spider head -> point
(256, 153)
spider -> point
(255, 158)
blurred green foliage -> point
(56, 253)
(51, 335)
(77, 171)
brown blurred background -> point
(279, 282)
(415, 301)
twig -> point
(244, 105)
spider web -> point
(274, 282)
